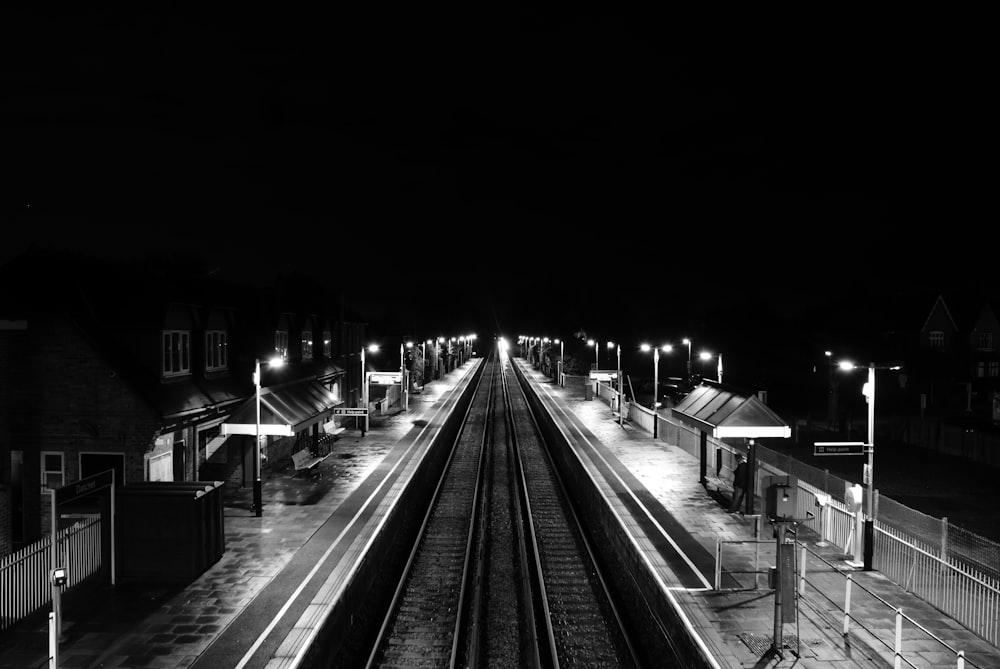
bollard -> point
(53, 642)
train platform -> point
(260, 603)
(257, 605)
(735, 622)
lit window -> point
(281, 343)
(994, 368)
(53, 475)
(327, 344)
(307, 346)
(936, 339)
(984, 341)
(215, 350)
(176, 352)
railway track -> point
(501, 574)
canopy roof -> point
(723, 412)
(298, 405)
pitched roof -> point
(723, 412)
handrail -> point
(898, 611)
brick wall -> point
(6, 527)
(64, 397)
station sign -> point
(603, 374)
(85, 486)
(839, 448)
(385, 378)
(349, 411)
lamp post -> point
(258, 497)
(404, 385)
(688, 342)
(869, 392)
(831, 398)
(423, 361)
(666, 348)
(562, 350)
(705, 355)
(618, 349)
(364, 382)
(592, 342)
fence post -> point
(847, 603)
(961, 659)
(944, 539)
(899, 638)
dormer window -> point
(176, 352)
(307, 346)
(281, 344)
(216, 352)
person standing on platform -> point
(739, 483)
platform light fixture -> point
(869, 392)
(258, 497)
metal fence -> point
(24, 576)
(955, 571)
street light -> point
(404, 383)
(666, 348)
(705, 355)
(258, 501)
(618, 348)
(869, 392)
(364, 382)
(688, 342)
(831, 397)
(562, 350)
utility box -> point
(780, 497)
(169, 530)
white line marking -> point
(284, 609)
(642, 506)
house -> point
(136, 368)
(957, 361)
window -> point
(215, 350)
(176, 352)
(984, 341)
(53, 474)
(993, 368)
(936, 338)
(307, 346)
(92, 464)
(281, 343)
(327, 344)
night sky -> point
(637, 176)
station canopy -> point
(298, 405)
(723, 413)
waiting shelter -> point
(723, 412)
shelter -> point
(723, 412)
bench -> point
(305, 460)
(336, 432)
